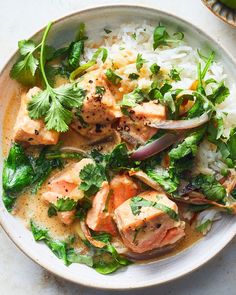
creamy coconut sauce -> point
(30, 206)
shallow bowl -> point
(137, 275)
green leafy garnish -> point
(100, 90)
(92, 177)
(211, 188)
(161, 36)
(219, 94)
(154, 68)
(133, 76)
(189, 145)
(113, 77)
(21, 171)
(140, 62)
(174, 75)
(84, 67)
(133, 98)
(136, 204)
(202, 228)
(54, 104)
(168, 181)
(25, 68)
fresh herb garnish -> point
(161, 37)
(174, 75)
(113, 77)
(25, 68)
(219, 94)
(54, 104)
(84, 67)
(136, 204)
(140, 61)
(211, 188)
(133, 76)
(92, 177)
(154, 68)
(100, 90)
(133, 98)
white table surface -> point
(19, 19)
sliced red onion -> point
(155, 147)
(180, 124)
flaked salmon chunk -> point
(65, 184)
(32, 131)
(134, 129)
(122, 188)
(152, 228)
(99, 106)
(99, 216)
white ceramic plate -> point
(135, 276)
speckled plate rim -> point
(205, 257)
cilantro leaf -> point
(92, 177)
(25, 68)
(163, 177)
(174, 75)
(133, 76)
(136, 204)
(203, 228)
(113, 77)
(189, 145)
(54, 104)
(232, 143)
(211, 188)
(219, 94)
(154, 68)
(160, 36)
(140, 62)
(133, 98)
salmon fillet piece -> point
(152, 228)
(98, 108)
(123, 187)
(134, 129)
(99, 218)
(65, 184)
(32, 131)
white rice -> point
(123, 50)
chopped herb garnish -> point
(107, 31)
(133, 76)
(140, 62)
(136, 204)
(174, 75)
(113, 77)
(154, 68)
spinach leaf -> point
(17, 171)
(21, 171)
(211, 188)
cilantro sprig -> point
(25, 68)
(54, 104)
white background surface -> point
(19, 19)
